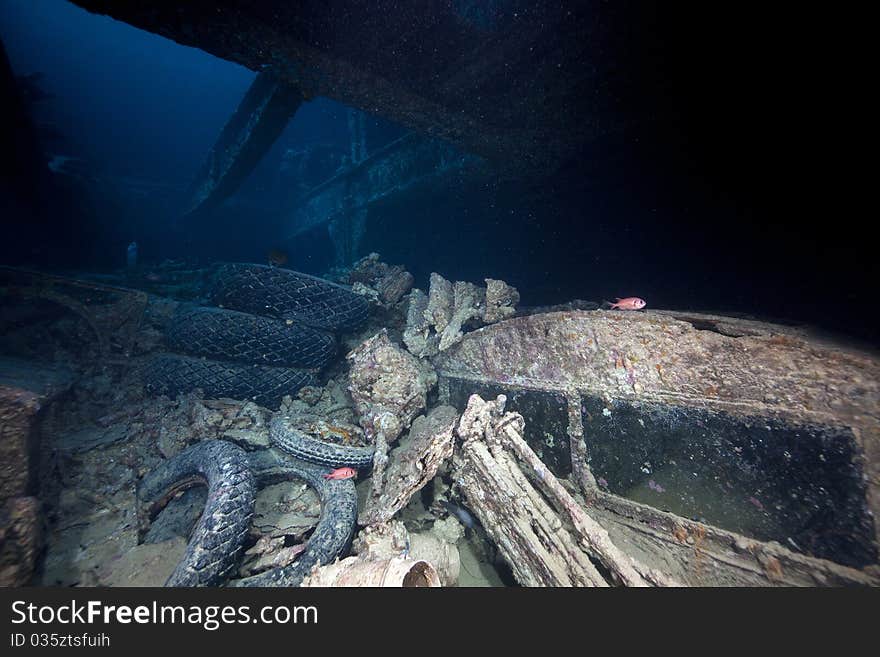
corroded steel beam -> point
(261, 116)
(406, 165)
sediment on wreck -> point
(543, 534)
(388, 283)
(392, 539)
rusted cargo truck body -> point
(722, 450)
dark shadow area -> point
(717, 186)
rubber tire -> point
(331, 537)
(218, 539)
(172, 374)
(291, 440)
(243, 338)
(287, 294)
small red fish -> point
(341, 473)
(630, 303)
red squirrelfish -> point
(341, 473)
(630, 303)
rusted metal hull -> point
(253, 128)
(743, 437)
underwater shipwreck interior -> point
(458, 293)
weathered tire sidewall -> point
(218, 539)
(284, 436)
(331, 537)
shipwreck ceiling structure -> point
(526, 85)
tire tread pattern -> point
(287, 294)
(173, 374)
(219, 536)
(243, 338)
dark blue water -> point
(738, 208)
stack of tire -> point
(269, 333)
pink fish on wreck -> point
(341, 473)
(629, 303)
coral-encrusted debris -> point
(413, 464)
(386, 284)
(417, 336)
(450, 308)
(388, 385)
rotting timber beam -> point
(542, 532)
(260, 118)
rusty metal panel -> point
(432, 68)
(776, 428)
(800, 485)
(24, 389)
